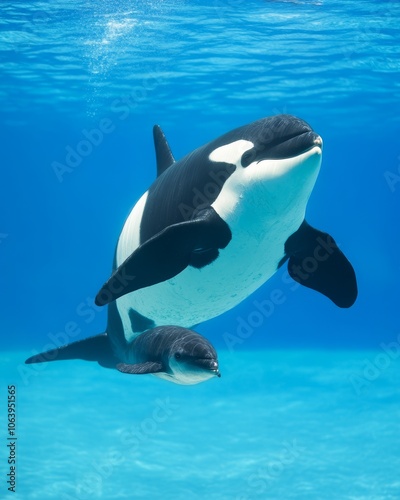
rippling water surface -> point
(224, 54)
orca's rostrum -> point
(211, 229)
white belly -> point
(196, 295)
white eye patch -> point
(231, 153)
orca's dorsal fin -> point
(164, 155)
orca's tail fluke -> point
(97, 348)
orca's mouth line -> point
(293, 145)
(317, 141)
(216, 372)
(318, 145)
(207, 364)
(282, 140)
(309, 135)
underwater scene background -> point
(308, 403)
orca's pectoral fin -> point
(316, 262)
(166, 254)
(140, 368)
(95, 348)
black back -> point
(194, 182)
(159, 343)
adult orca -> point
(216, 225)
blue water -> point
(308, 403)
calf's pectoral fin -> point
(316, 262)
(140, 368)
(167, 254)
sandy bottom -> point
(277, 425)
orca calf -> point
(212, 228)
(170, 352)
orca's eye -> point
(248, 157)
(177, 355)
